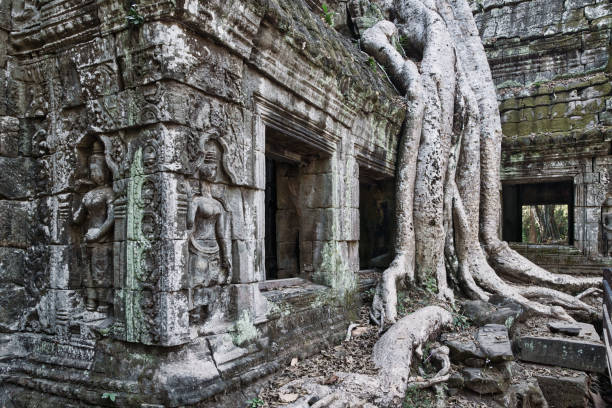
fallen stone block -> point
(564, 392)
(569, 353)
(494, 343)
(583, 330)
(526, 394)
(482, 313)
(488, 380)
(461, 350)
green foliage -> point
(328, 15)
(109, 395)
(545, 224)
(255, 402)
(402, 301)
(418, 398)
(372, 63)
(368, 295)
(134, 18)
(430, 284)
(460, 321)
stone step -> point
(569, 353)
(564, 392)
(494, 342)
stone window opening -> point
(298, 206)
(539, 213)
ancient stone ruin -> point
(195, 193)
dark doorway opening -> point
(376, 209)
(270, 200)
(540, 213)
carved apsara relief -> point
(96, 213)
(210, 248)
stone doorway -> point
(299, 206)
(376, 210)
(282, 219)
(525, 207)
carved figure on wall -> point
(606, 221)
(25, 11)
(96, 211)
(209, 241)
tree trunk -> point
(448, 166)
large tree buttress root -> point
(447, 178)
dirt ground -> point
(354, 356)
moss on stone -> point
(509, 129)
(511, 103)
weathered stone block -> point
(173, 319)
(353, 255)
(18, 175)
(583, 330)
(12, 266)
(576, 354)
(14, 223)
(286, 254)
(597, 11)
(167, 261)
(460, 351)
(349, 224)
(9, 133)
(494, 342)
(13, 301)
(64, 266)
(317, 191)
(244, 261)
(287, 226)
(524, 394)
(317, 225)
(189, 377)
(564, 392)
(248, 297)
(487, 380)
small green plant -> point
(509, 321)
(255, 402)
(134, 18)
(372, 63)
(369, 294)
(418, 398)
(328, 15)
(460, 321)
(109, 395)
(402, 299)
(431, 285)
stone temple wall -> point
(550, 61)
(133, 142)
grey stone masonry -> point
(133, 147)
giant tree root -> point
(447, 182)
(392, 354)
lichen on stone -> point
(244, 329)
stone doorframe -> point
(316, 184)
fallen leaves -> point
(288, 398)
